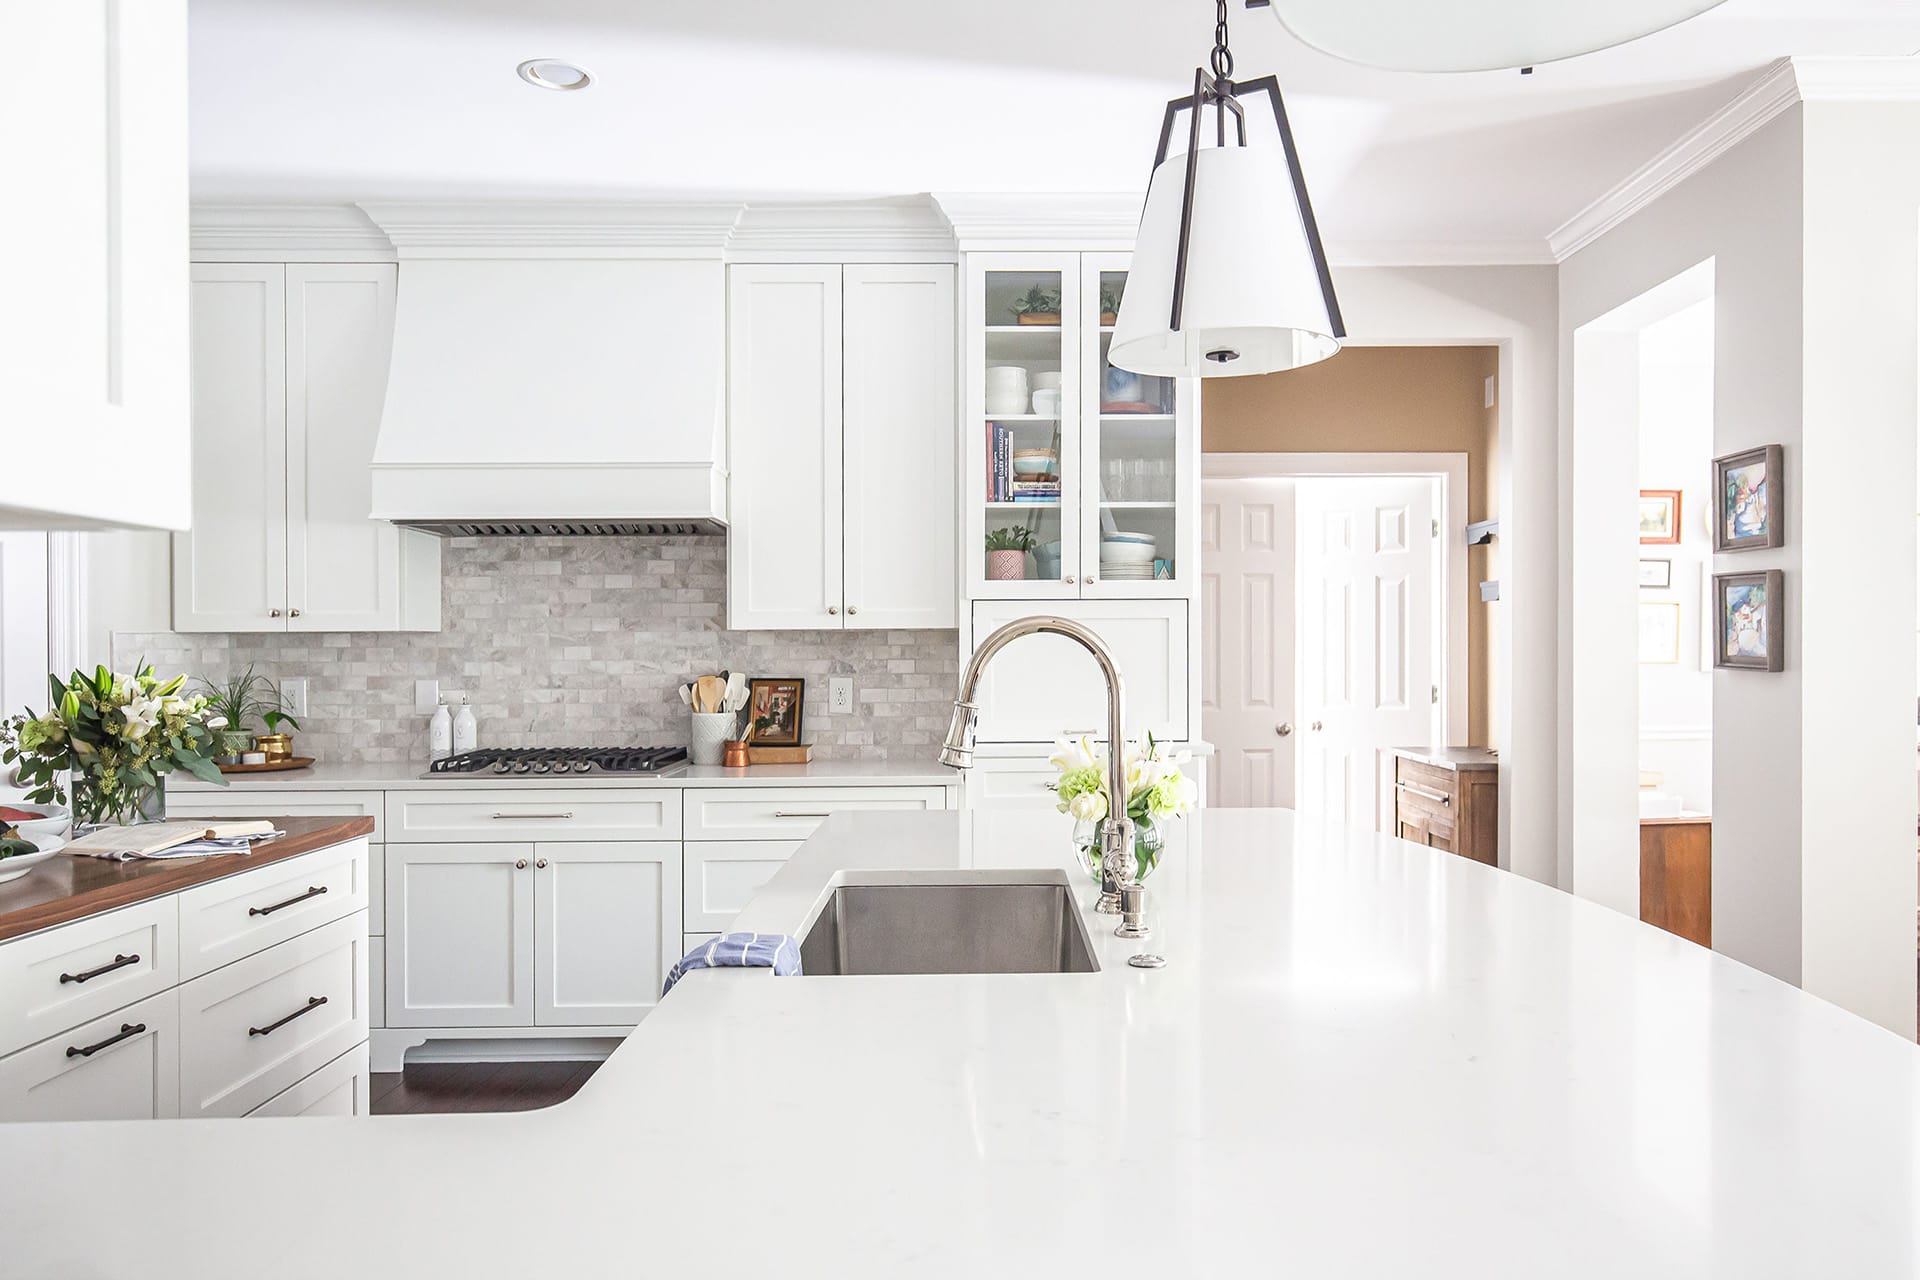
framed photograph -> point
(1659, 517)
(1747, 495)
(1656, 575)
(1660, 632)
(1748, 623)
(774, 709)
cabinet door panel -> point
(230, 571)
(1044, 686)
(784, 420)
(900, 444)
(344, 568)
(606, 929)
(459, 935)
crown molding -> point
(1769, 95)
(1025, 220)
(903, 230)
(1439, 253)
(556, 229)
(1858, 79)
(284, 233)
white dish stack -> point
(1127, 557)
(1007, 392)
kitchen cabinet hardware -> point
(539, 864)
(519, 864)
(273, 613)
(852, 609)
(127, 1031)
(833, 608)
(1438, 797)
(313, 891)
(313, 1002)
(513, 816)
(118, 962)
(1069, 579)
(293, 613)
(795, 813)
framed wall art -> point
(1659, 517)
(1747, 498)
(1660, 632)
(1748, 621)
(1656, 575)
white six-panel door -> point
(1247, 633)
(898, 455)
(784, 411)
(1367, 643)
(230, 572)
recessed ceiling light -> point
(552, 73)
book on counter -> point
(169, 839)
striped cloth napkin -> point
(775, 951)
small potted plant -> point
(1040, 306)
(239, 700)
(1007, 553)
(1109, 304)
(1158, 789)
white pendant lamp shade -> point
(1255, 299)
(1476, 35)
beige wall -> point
(1386, 400)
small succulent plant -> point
(1009, 539)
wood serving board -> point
(271, 766)
(768, 753)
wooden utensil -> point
(707, 692)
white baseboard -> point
(394, 1047)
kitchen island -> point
(1363, 1058)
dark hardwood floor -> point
(431, 1087)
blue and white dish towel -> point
(775, 951)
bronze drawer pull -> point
(313, 891)
(1438, 797)
(313, 1002)
(119, 962)
(127, 1031)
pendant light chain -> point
(1222, 56)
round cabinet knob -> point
(293, 613)
(540, 864)
(273, 613)
(520, 864)
(1316, 726)
(852, 609)
(1091, 578)
(1284, 729)
(833, 608)
(1069, 579)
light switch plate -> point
(293, 696)
(426, 696)
(841, 702)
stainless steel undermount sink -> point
(972, 927)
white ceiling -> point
(346, 100)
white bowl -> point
(1125, 553)
(56, 823)
(1121, 535)
(15, 867)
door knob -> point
(1316, 726)
(1284, 729)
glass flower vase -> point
(124, 806)
(1147, 843)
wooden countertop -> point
(65, 889)
(1450, 757)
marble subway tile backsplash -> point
(579, 641)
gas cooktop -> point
(637, 762)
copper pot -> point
(277, 746)
(735, 756)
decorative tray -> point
(271, 766)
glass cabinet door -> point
(1135, 442)
(1025, 397)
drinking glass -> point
(1116, 483)
(1139, 482)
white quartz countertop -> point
(1363, 1059)
(329, 776)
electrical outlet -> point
(426, 696)
(841, 688)
(293, 696)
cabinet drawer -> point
(259, 802)
(722, 875)
(337, 1089)
(514, 816)
(77, 972)
(790, 813)
(253, 1028)
(1012, 782)
(1412, 806)
(1427, 777)
(125, 1066)
(228, 919)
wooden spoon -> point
(707, 692)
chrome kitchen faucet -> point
(1116, 829)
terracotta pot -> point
(1039, 317)
(1006, 566)
(1109, 318)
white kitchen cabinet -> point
(289, 375)
(340, 1088)
(93, 350)
(459, 935)
(841, 445)
(563, 933)
(125, 1066)
(1044, 686)
(721, 877)
(606, 928)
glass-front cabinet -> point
(1081, 479)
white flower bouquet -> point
(1157, 789)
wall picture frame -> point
(1659, 517)
(1660, 632)
(776, 709)
(1656, 575)
(1749, 621)
(1747, 499)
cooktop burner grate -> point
(553, 761)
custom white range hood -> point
(556, 369)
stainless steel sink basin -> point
(981, 927)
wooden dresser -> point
(1448, 798)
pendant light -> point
(1228, 275)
